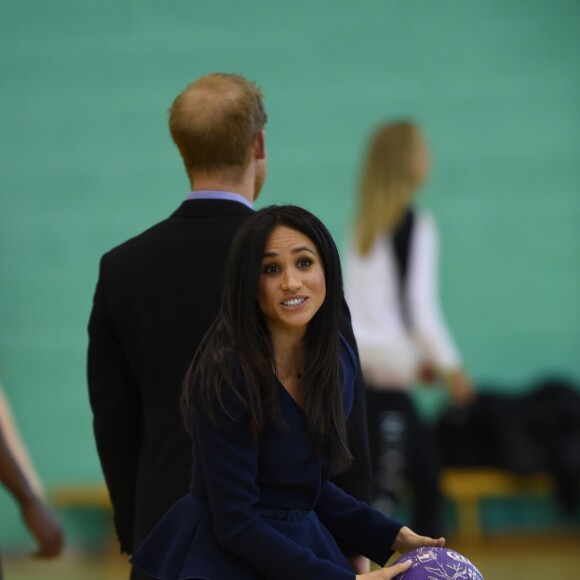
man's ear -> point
(259, 146)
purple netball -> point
(438, 564)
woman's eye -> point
(270, 269)
(304, 262)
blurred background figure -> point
(392, 268)
(19, 477)
(16, 445)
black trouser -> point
(403, 448)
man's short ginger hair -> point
(214, 121)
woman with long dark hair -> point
(266, 399)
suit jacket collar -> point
(211, 208)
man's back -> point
(157, 295)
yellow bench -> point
(467, 487)
(87, 496)
(91, 495)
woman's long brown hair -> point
(240, 335)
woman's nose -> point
(291, 282)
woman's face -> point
(292, 284)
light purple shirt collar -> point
(227, 195)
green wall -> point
(87, 162)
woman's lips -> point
(295, 302)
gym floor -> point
(498, 558)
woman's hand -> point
(460, 387)
(408, 540)
(427, 373)
(405, 541)
(359, 564)
(386, 573)
(45, 527)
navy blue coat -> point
(263, 508)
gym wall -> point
(88, 162)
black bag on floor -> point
(535, 431)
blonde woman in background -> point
(403, 340)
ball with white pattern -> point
(438, 564)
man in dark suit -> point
(157, 295)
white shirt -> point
(390, 353)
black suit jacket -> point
(156, 297)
